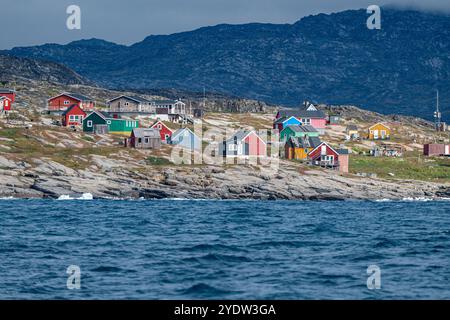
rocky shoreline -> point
(106, 180)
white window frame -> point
(89, 123)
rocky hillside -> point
(17, 69)
(41, 159)
(332, 59)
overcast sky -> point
(32, 22)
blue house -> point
(283, 122)
(187, 139)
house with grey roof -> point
(307, 114)
(298, 147)
(144, 138)
(186, 139)
(243, 143)
(125, 104)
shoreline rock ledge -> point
(49, 179)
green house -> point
(96, 120)
(298, 131)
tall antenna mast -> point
(437, 113)
(204, 98)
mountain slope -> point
(327, 58)
(13, 68)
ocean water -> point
(173, 249)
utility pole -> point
(437, 113)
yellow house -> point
(379, 131)
(299, 147)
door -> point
(375, 134)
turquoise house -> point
(298, 132)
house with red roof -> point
(5, 104)
(73, 116)
(7, 98)
(325, 156)
(164, 131)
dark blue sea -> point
(174, 249)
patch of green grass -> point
(88, 138)
(409, 167)
(157, 161)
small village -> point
(150, 124)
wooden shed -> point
(145, 138)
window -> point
(66, 102)
(328, 159)
(108, 122)
(71, 118)
(146, 140)
(139, 140)
(159, 126)
(232, 147)
(89, 124)
(306, 121)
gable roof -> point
(146, 133)
(378, 124)
(305, 142)
(352, 127)
(133, 98)
(242, 135)
(181, 131)
(76, 96)
(302, 128)
(69, 109)
(101, 114)
(310, 107)
(5, 90)
(302, 112)
(166, 101)
(324, 143)
(162, 123)
(284, 119)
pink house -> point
(306, 114)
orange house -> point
(379, 131)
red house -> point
(164, 130)
(5, 104)
(73, 116)
(10, 96)
(63, 101)
(325, 156)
